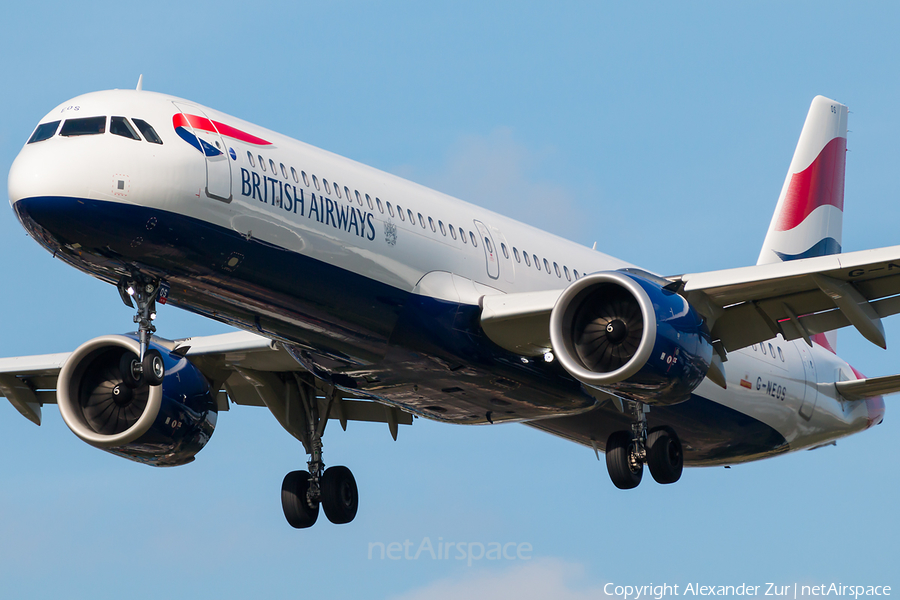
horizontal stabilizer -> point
(861, 389)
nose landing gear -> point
(148, 367)
(628, 451)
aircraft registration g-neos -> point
(363, 296)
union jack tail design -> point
(809, 215)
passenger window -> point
(462, 235)
(412, 217)
(377, 201)
(421, 220)
(390, 209)
(771, 351)
(400, 213)
(283, 171)
(575, 273)
(516, 254)
(316, 182)
(369, 202)
(272, 164)
(762, 348)
(474, 241)
(431, 223)
(337, 190)
(566, 271)
(305, 178)
(537, 262)
(327, 187)
(505, 251)
(121, 126)
(147, 131)
(488, 245)
(443, 230)
(262, 162)
(44, 131)
(87, 126)
(754, 347)
(347, 193)
(452, 231)
(780, 354)
(294, 175)
(250, 158)
(527, 260)
(359, 199)
(556, 268)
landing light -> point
(130, 291)
(548, 357)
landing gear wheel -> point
(129, 368)
(153, 368)
(340, 498)
(623, 473)
(294, 503)
(664, 455)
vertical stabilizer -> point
(809, 215)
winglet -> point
(140, 84)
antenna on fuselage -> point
(140, 84)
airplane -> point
(360, 296)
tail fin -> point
(809, 215)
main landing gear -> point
(628, 451)
(148, 367)
(334, 488)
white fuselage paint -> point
(791, 392)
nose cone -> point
(45, 170)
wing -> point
(799, 298)
(244, 368)
(860, 389)
(744, 306)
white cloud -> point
(500, 173)
(534, 580)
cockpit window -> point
(86, 126)
(44, 131)
(147, 131)
(121, 126)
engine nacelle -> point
(163, 425)
(623, 333)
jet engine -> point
(162, 425)
(626, 334)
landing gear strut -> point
(148, 366)
(628, 451)
(302, 492)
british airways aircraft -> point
(366, 297)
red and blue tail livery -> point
(809, 215)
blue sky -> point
(662, 131)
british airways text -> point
(324, 210)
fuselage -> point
(369, 277)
